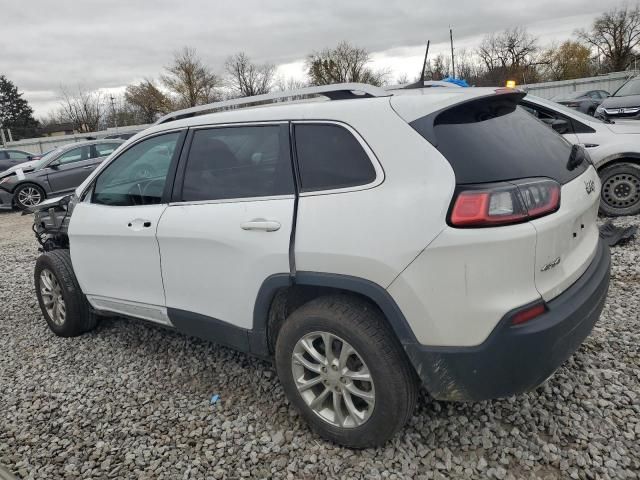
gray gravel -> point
(132, 401)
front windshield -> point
(45, 158)
(632, 87)
(569, 112)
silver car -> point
(58, 172)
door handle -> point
(261, 224)
(138, 224)
(88, 167)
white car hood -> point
(622, 126)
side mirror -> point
(54, 165)
(29, 157)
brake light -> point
(504, 203)
(527, 314)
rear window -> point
(492, 139)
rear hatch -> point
(567, 240)
(496, 148)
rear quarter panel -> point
(375, 233)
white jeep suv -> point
(367, 242)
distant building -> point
(57, 129)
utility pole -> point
(424, 65)
(113, 107)
(453, 63)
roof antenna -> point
(424, 65)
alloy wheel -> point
(333, 379)
(52, 298)
(29, 197)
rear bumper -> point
(515, 359)
(6, 200)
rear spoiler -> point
(456, 112)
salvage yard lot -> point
(131, 400)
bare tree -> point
(84, 109)
(615, 35)
(147, 101)
(343, 64)
(246, 78)
(440, 67)
(190, 79)
(283, 84)
(509, 54)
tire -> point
(591, 112)
(620, 190)
(55, 282)
(28, 195)
(345, 320)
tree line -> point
(609, 45)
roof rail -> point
(339, 91)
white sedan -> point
(613, 147)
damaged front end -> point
(51, 222)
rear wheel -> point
(64, 306)
(343, 369)
(620, 189)
(28, 195)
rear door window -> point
(75, 155)
(18, 155)
(330, 158)
(493, 139)
(238, 162)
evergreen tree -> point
(15, 112)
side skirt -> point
(209, 328)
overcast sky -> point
(45, 44)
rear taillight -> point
(504, 203)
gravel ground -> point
(131, 400)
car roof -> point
(69, 146)
(318, 108)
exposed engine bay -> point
(51, 222)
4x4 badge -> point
(590, 186)
(551, 265)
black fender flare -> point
(374, 292)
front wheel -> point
(341, 366)
(620, 189)
(64, 306)
(28, 195)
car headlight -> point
(600, 108)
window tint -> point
(330, 157)
(138, 175)
(104, 149)
(238, 162)
(3, 155)
(75, 155)
(18, 155)
(492, 140)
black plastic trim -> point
(209, 328)
(517, 358)
(373, 291)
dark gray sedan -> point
(584, 101)
(57, 173)
(11, 157)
